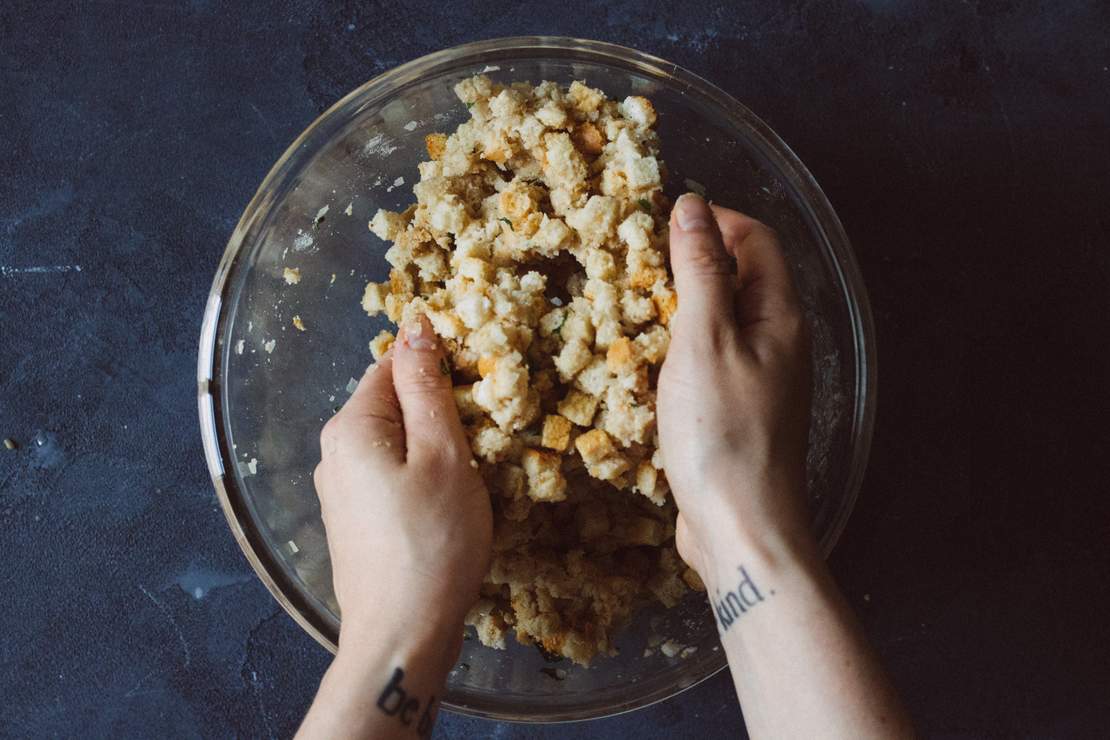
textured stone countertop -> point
(964, 145)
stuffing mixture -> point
(536, 248)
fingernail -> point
(691, 213)
(417, 338)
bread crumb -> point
(298, 323)
(536, 249)
(292, 275)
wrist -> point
(766, 525)
(400, 635)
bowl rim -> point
(812, 198)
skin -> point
(733, 418)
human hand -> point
(407, 515)
(734, 391)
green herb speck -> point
(510, 223)
(645, 205)
(444, 368)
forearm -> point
(801, 664)
(385, 682)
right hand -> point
(734, 391)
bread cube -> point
(373, 298)
(579, 407)
(574, 356)
(556, 432)
(387, 225)
(464, 400)
(436, 144)
(381, 343)
(545, 477)
(594, 446)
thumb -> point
(704, 271)
(422, 379)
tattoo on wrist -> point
(738, 601)
(396, 702)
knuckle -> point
(382, 407)
(318, 476)
(426, 380)
(709, 260)
(444, 453)
(330, 433)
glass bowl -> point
(266, 388)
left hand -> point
(408, 518)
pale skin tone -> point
(408, 558)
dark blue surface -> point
(965, 146)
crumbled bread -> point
(588, 139)
(574, 356)
(436, 144)
(381, 343)
(373, 298)
(388, 225)
(536, 249)
(464, 399)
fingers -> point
(704, 271)
(422, 379)
(767, 291)
(371, 418)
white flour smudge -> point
(302, 242)
(380, 145)
(37, 270)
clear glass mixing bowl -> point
(265, 387)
